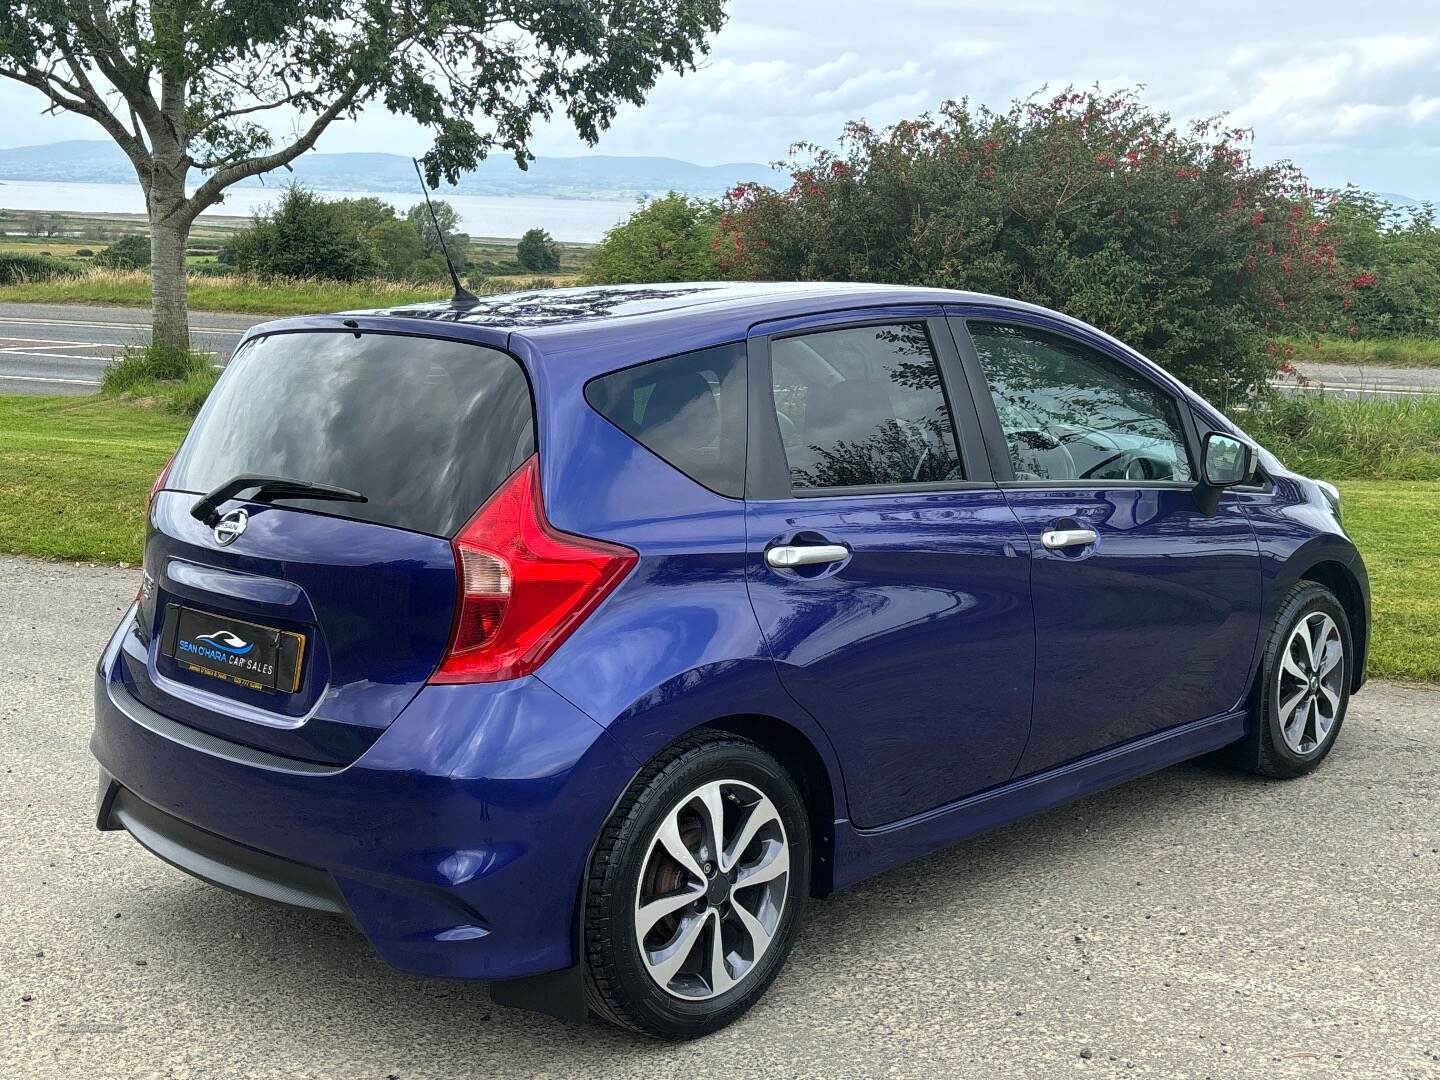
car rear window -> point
(687, 409)
(426, 429)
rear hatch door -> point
(300, 625)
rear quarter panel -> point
(677, 644)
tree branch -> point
(208, 193)
(73, 97)
(99, 33)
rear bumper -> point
(214, 859)
(456, 844)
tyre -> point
(1306, 688)
(695, 889)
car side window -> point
(1070, 412)
(862, 406)
(688, 409)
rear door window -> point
(688, 409)
(862, 407)
(425, 428)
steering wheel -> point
(1028, 443)
(1144, 468)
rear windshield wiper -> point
(268, 489)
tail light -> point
(147, 584)
(524, 585)
(159, 484)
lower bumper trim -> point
(222, 862)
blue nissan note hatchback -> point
(572, 639)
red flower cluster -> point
(1362, 281)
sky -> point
(1349, 91)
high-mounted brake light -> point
(524, 585)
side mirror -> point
(1225, 462)
(1228, 460)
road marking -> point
(44, 379)
(15, 320)
(1346, 388)
(61, 343)
(38, 354)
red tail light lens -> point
(524, 585)
(159, 484)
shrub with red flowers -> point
(1174, 241)
(1392, 261)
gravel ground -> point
(1196, 923)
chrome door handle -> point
(805, 555)
(1054, 539)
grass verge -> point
(1350, 439)
(247, 295)
(1412, 351)
(178, 382)
(75, 472)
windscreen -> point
(426, 429)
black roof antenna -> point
(463, 297)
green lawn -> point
(74, 474)
(1393, 523)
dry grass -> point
(251, 295)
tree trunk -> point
(169, 231)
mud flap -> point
(560, 994)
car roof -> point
(598, 324)
(548, 308)
(578, 332)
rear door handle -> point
(1054, 539)
(785, 555)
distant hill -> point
(1400, 202)
(597, 176)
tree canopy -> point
(182, 86)
(1172, 240)
(669, 239)
(537, 251)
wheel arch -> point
(803, 761)
(1341, 580)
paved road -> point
(62, 349)
(1196, 923)
(1355, 380)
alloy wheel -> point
(712, 890)
(1310, 682)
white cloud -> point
(1350, 94)
(1366, 93)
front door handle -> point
(786, 555)
(1055, 539)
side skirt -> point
(859, 853)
